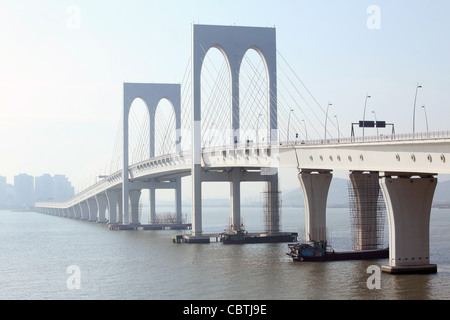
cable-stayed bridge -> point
(235, 118)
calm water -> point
(37, 249)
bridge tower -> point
(151, 94)
(233, 42)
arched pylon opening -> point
(165, 128)
(215, 100)
(138, 132)
(254, 98)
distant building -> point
(6, 194)
(62, 188)
(43, 188)
(3, 192)
(23, 190)
(57, 188)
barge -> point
(241, 237)
(320, 251)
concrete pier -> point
(315, 186)
(408, 200)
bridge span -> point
(404, 169)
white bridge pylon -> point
(151, 94)
(233, 42)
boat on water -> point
(241, 236)
(320, 251)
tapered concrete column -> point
(196, 201)
(101, 205)
(178, 200)
(315, 186)
(366, 189)
(152, 213)
(92, 204)
(72, 212)
(84, 210)
(77, 211)
(235, 199)
(113, 197)
(134, 202)
(408, 201)
(273, 205)
(120, 215)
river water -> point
(47, 257)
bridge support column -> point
(113, 198)
(408, 200)
(235, 199)
(152, 213)
(134, 196)
(178, 200)
(72, 212)
(120, 215)
(101, 204)
(196, 201)
(93, 208)
(84, 210)
(196, 235)
(77, 211)
(273, 205)
(366, 190)
(315, 187)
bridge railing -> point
(374, 138)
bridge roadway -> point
(419, 156)
(406, 170)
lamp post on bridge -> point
(364, 114)
(337, 123)
(375, 115)
(426, 118)
(414, 111)
(257, 128)
(306, 132)
(326, 118)
(289, 122)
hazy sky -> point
(63, 65)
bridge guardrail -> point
(376, 138)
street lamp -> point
(326, 118)
(414, 111)
(426, 118)
(375, 115)
(257, 128)
(337, 122)
(364, 114)
(306, 132)
(289, 122)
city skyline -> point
(27, 189)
